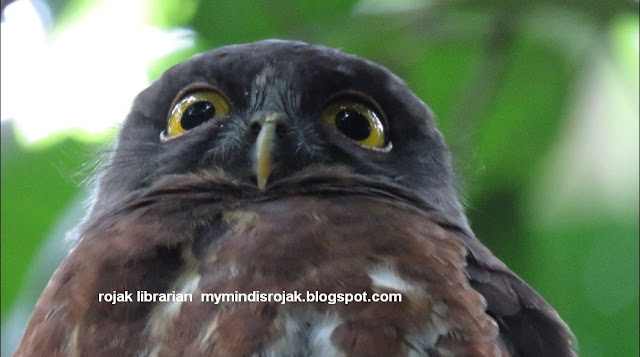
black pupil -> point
(197, 114)
(353, 124)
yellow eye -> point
(356, 121)
(194, 109)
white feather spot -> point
(321, 344)
(419, 342)
(213, 325)
(186, 283)
(72, 347)
(190, 283)
(156, 351)
(384, 277)
(290, 342)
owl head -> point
(267, 113)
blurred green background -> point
(538, 101)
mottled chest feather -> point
(305, 245)
(335, 246)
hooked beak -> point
(264, 147)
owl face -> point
(264, 112)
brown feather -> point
(328, 244)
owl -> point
(293, 174)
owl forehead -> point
(271, 90)
(293, 77)
(286, 71)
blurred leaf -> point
(589, 273)
(65, 12)
(523, 119)
(231, 21)
(604, 10)
(308, 14)
(36, 188)
(624, 35)
(171, 13)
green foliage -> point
(37, 187)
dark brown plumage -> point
(211, 210)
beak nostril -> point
(281, 129)
(255, 128)
(278, 121)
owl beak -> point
(264, 146)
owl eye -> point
(356, 121)
(194, 109)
